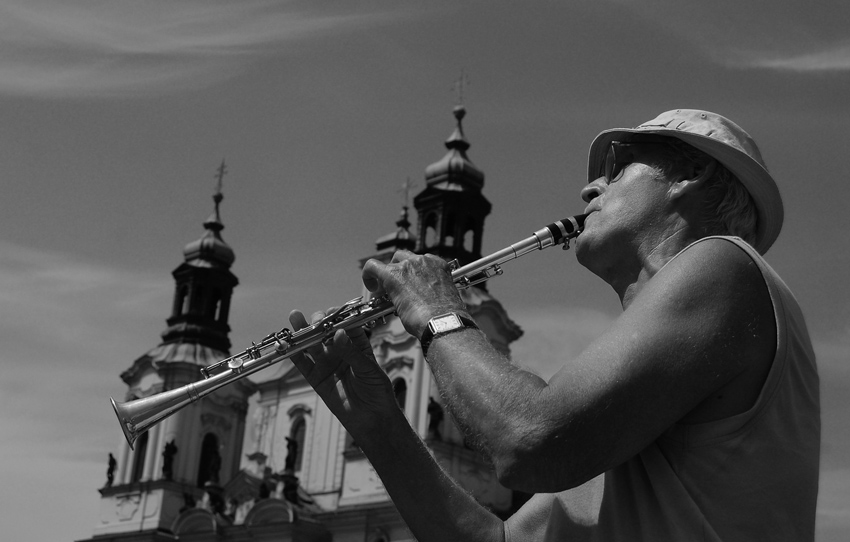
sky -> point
(116, 115)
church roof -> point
(184, 352)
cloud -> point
(834, 58)
(777, 35)
(68, 328)
(71, 48)
(54, 301)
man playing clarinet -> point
(695, 416)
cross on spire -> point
(219, 177)
(406, 187)
(460, 85)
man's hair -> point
(729, 209)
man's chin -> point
(582, 250)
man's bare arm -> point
(703, 325)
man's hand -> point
(420, 287)
(347, 377)
(358, 392)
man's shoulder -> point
(716, 266)
(713, 283)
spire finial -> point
(214, 221)
(219, 179)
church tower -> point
(452, 208)
(180, 463)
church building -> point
(285, 469)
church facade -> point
(264, 459)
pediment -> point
(270, 511)
(194, 521)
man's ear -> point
(696, 180)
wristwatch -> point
(441, 325)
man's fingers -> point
(373, 276)
(304, 363)
(296, 318)
(360, 340)
(360, 361)
(317, 317)
(315, 362)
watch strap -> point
(432, 331)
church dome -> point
(210, 250)
(455, 168)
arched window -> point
(431, 230)
(210, 462)
(400, 390)
(139, 457)
(297, 436)
(449, 232)
(179, 300)
(197, 303)
(223, 308)
(186, 299)
(469, 236)
(213, 304)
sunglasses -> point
(621, 154)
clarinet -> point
(137, 416)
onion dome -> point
(210, 250)
(455, 168)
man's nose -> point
(594, 189)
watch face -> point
(445, 323)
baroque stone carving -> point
(215, 420)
